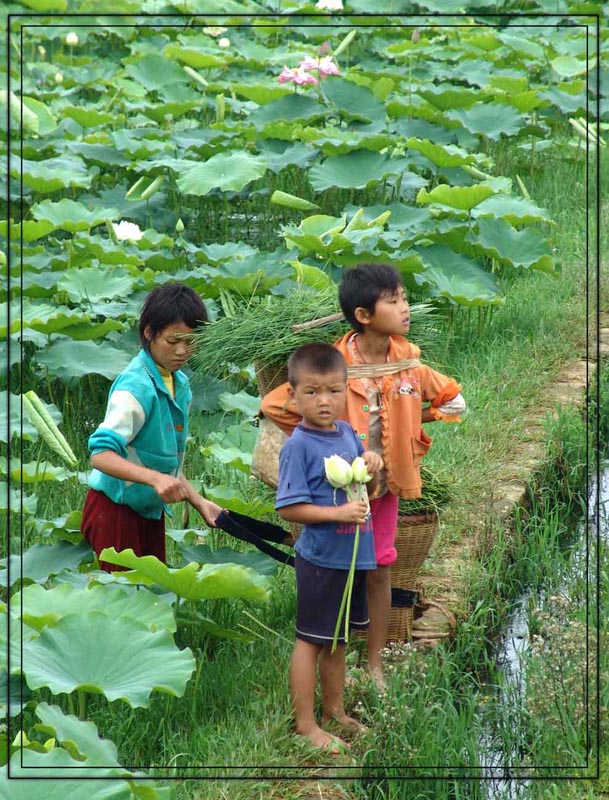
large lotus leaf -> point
(47, 775)
(233, 500)
(448, 155)
(33, 471)
(459, 278)
(119, 658)
(70, 215)
(53, 174)
(259, 93)
(516, 210)
(355, 170)
(155, 72)
(308, 275)
(192, 582)
(28, 231)
(229, 456)
(15, 691)
(96, 284)
(88, 117)
(254, 559)
(47, 606)
(194, 57)
(226, 171)
(40, 561)
(526, 248)
(489, 119)
(463, 198)
(525, 102)
(99, 154)
(16, 501)
(353, 101)
(567, 102)
(42, 317)
(277, 158)
(85, 248)
(336, 141)
(79, 737)
(447, 97)
(46, 121)
(569, 66)
(289, 108)
(239, 401)
(67, 360)
(20, 424)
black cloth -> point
(255, 532)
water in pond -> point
(515, 643)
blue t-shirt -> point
(302, 479)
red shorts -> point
(384, 511)
(109, 524)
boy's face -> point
(170, 348)
(320, 397)
(391, 314)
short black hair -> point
(362, 286)
(318, 357)
(168, 305)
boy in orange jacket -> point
(387, 386)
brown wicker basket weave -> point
(413, 541)
(270, 377)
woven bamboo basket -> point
(270, 376)
(413, 541)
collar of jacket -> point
(179, 379)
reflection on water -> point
(515, 641)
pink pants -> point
(384, 512)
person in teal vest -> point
(137, 452)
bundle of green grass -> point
(261, 330)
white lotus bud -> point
(179, 226)
(224, 42)
(338, 472)
(71, 39)
(41, 51)
(360, 471)
(127, 231)
(58, 77)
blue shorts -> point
(319, 591)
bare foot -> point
(327, 741)
(350, 724)
(376, 673)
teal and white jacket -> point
(145, 425)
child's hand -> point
(355, 511)
(169, 489)
(374, 463)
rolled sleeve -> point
(124, 419)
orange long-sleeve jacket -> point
(404, 442)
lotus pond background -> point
(162, 146)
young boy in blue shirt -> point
(317, 375)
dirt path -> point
(444, 581)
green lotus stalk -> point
(46, 427)
(353, 478)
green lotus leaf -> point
(119, 658)
(65, 528)
(516, 210)
(355, 170)
(78, 737)
(215, 252)
(41, 317)
(99, 154)
(336, 141)
(34, 471)
(489, 119)
(88, 117)
(20, 425)
(16, 501)
(138, 147)
(43, 775)
(569, 66)
(233, 500)
(279, 155)
(447, 97)
(485, 40)
(194, 57)
(463, 198)
(311, 276)
(524, 45)
(239, 401)
(458, 278)
(46, 121)
(353, 101)
(53, 174)
(230, 456)
(69, 215)
(253, 559)
(191, 582)
(567, 102)
(86, 247)
(291, 201)
(40, 561)
(448, 155)
(96, 284)
(289, 108)
(323, 225)
(260, 93)
(46, 5)
(155, 72)
(43, 607)
(526, 248)
(73, 359)
(15, 690)
(525, 102)
(28, 230)
(224, 171)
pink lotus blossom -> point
(325, 66)
(298, 76)
(324, 48)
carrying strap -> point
(258, 533)
(376, 370)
